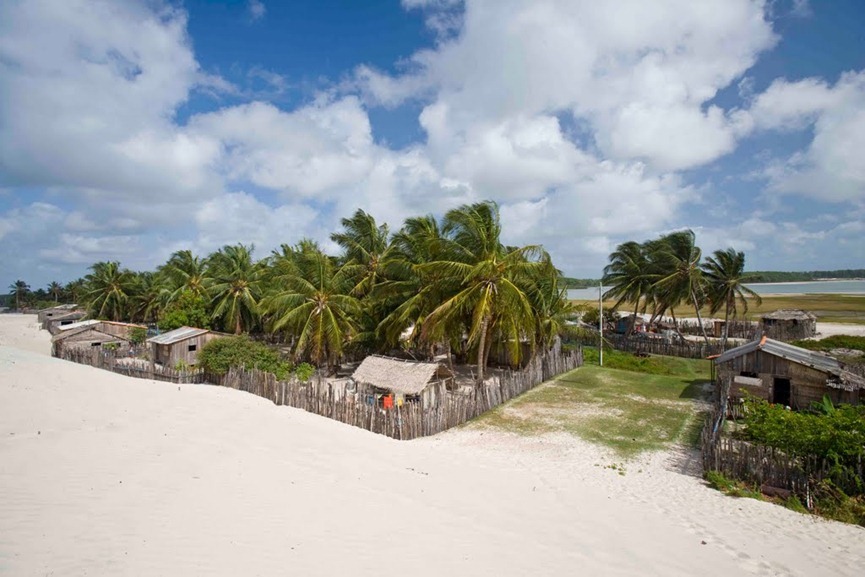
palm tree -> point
(491, 299)
(74, 290)
(55, 289)
(681, 278)
(629, 277)
(107, 290)
(724, 271)
(313, 303)
(150, 297)
(186, 273)
(236, 287)
(19, 289)
(366, 245)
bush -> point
(836, 434)
(187, 311)
(833, 342)
(219, 355)
(137, 335)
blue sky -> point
(131, 129)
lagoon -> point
(849, 287)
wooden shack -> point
(180, 346)
(378, 378)
(54, 323)
(93, 333)
(55, 311)
(782, 373)
(789, 325)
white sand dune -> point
(106, 475)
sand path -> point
(106, 475)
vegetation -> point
(625, 410)
(828, 433)
(834, 342)
(668, 272)
(219, 355)
(579, 283)
(778, 276)
(432, 286)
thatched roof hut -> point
(789, 324)
(412, 380)
(782, 373)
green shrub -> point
(137, 335)
(219, 355)
(836, 434)
(304, 371)
(188, 310)
(833, 342)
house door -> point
(781, 391)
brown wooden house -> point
(782, 373)
(183, 344)
(55, 311)
(93, 333)
(57, 321)
(404, 381)
(789, 325)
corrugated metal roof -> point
(78, 325)
(177, 335)
(787, 351)
(843, 379)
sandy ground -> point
(106, 475)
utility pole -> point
(601, 321)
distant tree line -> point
(662, 273)
(778, 276)
(433, 285)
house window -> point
(192, 348)
(95, 344)
(751, 374)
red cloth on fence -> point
(387, 403)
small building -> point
(391, 382)
(180, 346)
(54, 323)
(54, 311)
(85, 335)
(789, 325)
(635, 323)
(789, 375)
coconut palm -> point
(681, 278)
(19, 289)
(366, 245)
(186, 272)
(55, 289)
(107, 290)
(491, 299)
(235, 288)
(724, 271)
(629, 277)
(312, 302)
(150, 297)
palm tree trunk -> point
(726, 324)
(699, 318)
(676, 324)
(237, 325)
(482, 349)
(633, 323)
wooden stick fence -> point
(762, 465)
(318, 396)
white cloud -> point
(830, 168)
(257, 9)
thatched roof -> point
(790, 314)
(397, 375)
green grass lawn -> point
(628, 411)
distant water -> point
(850, 287)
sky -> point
(132, 129)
